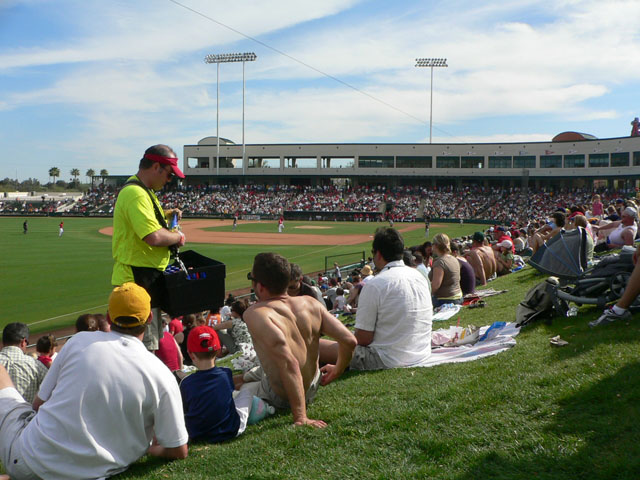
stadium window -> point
(338, 162)
(500, 162)
(574, 161)
(264, 162)
(198, 162)
(599, 160)
(524, 161)
(550, 161)
(620, 159)
(472, 162)
(229, 162)
(300, 162)
(447, 162)
(413, 162)
(636, 159)
(368, 161)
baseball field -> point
(536, 411)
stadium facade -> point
(569, 160)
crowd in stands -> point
(400, 204)
(24, 207)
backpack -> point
(540, 302)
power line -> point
(311, 67)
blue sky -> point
(91, 84)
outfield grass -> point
(535, 411)
(48, 281)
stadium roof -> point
(573, 137)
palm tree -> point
(54, 173)
(103, 173)
(75, 173)
(90, 173)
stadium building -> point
(569, 160)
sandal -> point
(478, 304)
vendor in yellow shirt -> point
(141, 236)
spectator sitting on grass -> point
(25, 371)
(103, 323)
(445, 273)
(548, 230)
(105, 402)
(286, 333)
(393, 321)
(236, 329)
(169, 350)
(211, 413)
(620, 232)
(340, 303)
(504, 257)
(467, 274)
(297, 287)
(177, 330)
(189, 323)
(46, 349)
(87, 322)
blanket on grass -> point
(445, 312)
(503, 340)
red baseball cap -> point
(166, 161)
(203, 339)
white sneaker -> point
(609, 316)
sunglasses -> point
(250, 277)
(168, 171)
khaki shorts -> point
(15, 415)
(266, 393)
(366, 358)
(153, 332)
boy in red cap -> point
(211, 413)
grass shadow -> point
(594, 434)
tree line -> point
(54, 172)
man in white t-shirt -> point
(393, 321)
(102, 403)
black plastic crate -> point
(202, 290)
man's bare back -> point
(483, 262)
(286, 336)
(297, 322)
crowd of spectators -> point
(400, 204)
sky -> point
(91, 84)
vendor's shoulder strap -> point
(159, 216)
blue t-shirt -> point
(209, 410)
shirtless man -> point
(481, 259)
(622, 232)
(286, 333)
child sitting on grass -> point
(46, 349)
(340, 303)
(211, 413)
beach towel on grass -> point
(502, 341)
(445, 313)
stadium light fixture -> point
(228, 58)
(431, 63)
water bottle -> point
(174, 222)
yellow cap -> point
(129, 305)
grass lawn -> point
(535, 411)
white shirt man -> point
(396, 307)
(393, 320)
(103, 401)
